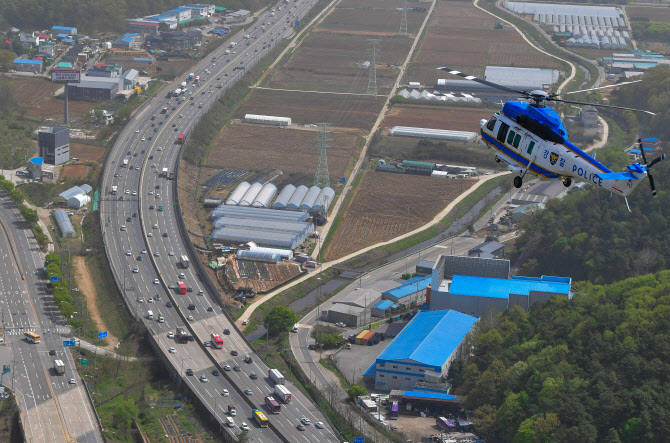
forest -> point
(591, 369)
(93, 16)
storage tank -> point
(283, 197)
(297, 197)
(251, 194)
(238, 193)
(310, 198)
(264, 197)
(324, 199)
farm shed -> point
(382, 308)
(265, 257)
(236, 196)
(297, 198)
(265, 196)
(310, 198)
(267, 238)
(251, 194)
(257, 213)
(284, 197)
(303, 228)
(267, 119)
(407, 131)
(285, 254)
(325, 198)
(64, 223)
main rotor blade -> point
(656, 160)
(599, 105)
(651, 184)
(483, 82)
(644, 157)
(600, 87)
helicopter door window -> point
(517, 140)
(531, 145)
(510, 137)
(502, 131)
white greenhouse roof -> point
(521, 76)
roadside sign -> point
(5, 369)
(102, 334)
(68, 343)
(53, 279)
(84, 362)
(298, 24)
(65, 75)
(359, 439)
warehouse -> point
(23, 65)
(383, 308)
(181, 14)
(424, 268)
(412, 290)
(267, 119)
(77, 196)
(262, 213)
(447, 266)
(352, 309)
(428, 344)
(474, 295)
(128, 41)
(142, 27)
(64, 224)
(522, 78)
(95, 88)
(64, 30)
(406, 131)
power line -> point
(372, 78)
(322, 178)
(403, 19)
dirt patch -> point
(437, 117)
(188, 177)
(654, 14)
(31, 92)
(249, 146)
(87, 287)
(347, 111)
(75, 171)
(53, 108)
(372, 20)
(387, 205)
(86, 152)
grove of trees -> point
(595, 368)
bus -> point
(217, 341)
(393, 414)
(182, 287)
(260, 418)
(272, 405)
(32, 337)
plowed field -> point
(437, 117)
(388, 205)
(86, 152)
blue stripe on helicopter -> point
(586, 157)
(523, 161)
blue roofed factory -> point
(423, 350)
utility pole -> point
(372, 77)
(403, 19)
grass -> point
(328, 364)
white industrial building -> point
(64, 223)
(407, 131)
(75, 197)
(267, 119)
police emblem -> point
(553, 158)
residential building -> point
(47, 48)
(130, 79)
(143, 27)
(128, 41)
(23, 65)
(29, 38)
(181, 14)
(54, 145)
(424, 349)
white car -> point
(171, 254)
(172, 350)
(155, 225)
(150, 235)
(156, 282)
(182, 275)
(144, 251)
(339, 324)
(137, 131)
(140, 299)
(319, 425)
(244, 426)
(190, 318)
(203, 379)
(170, 334)
(134, 193)
(128, 253)
(305, 421)
(157, 254)
(151, 192)
(72, 381)
(159, 148)
(136, 270)
(127, 191)
(150, 300)
(245, 322)
(143, 138)
(225, 393)
(226, 368)
(137, 168)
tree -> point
(16, 195)
(484, 418)
(280, 319)
(124, 414)
(124, 113)
(6, 59)
(31, 216)
(356, 391)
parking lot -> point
(353, 362)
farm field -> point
(371, 21)
(347, 111)
(387, 205)
(29, 93)
(53, 108)
(332, 61)
(462, 37)
(654, 14)
(73, 172)
(249, 146)
(437, 117)
(86, 152)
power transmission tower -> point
(403, 19)
(372, 78)
(322, 179)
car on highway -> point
(191, 307)
(52, 352)
(168, 304)
(208, 344)
(151, 206)
(155, 225)
(189, 371)
(216, 373)
(136, 270)
(150, 235)
(248, 391)
(210, 309)
(253, 376)
(244, 426)
(203, 379)
(72, 381)
(151, 192)
(159, 148)
(190, 318)
(140, 299)
(143, 139)
(137, 131)
(157, 254)
(144, 251)
(128, 253)
(318, 425)
(233, 353)
(226, 331)
(225, 393)
(150, 300)
(170, 334)
(173, 351)
(139, 258)
(127, 192)
(165, 234)
(305, 421)
(171, 254)
(227, 368)
(236, 368)
(300, 427)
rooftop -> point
(30, 62)
(499, 288)
(429, 338)
(384, 304)
(409, 287)
(73, 192)
(427, 395)
(37, 160)
(62, 28)
(360, 297)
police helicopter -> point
(530, 137)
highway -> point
(144, 244)
(52, 408)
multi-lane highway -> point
(53, 408)
(144, 244)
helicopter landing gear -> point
(567, 181)
(497, 159)
(518, 181)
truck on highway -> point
(59, 367)
(164, 172)
(220, 85)
(227, 51)
(272, 405)
(276, 377)
(125, 162)
(197, 79)
(272, 14)
(181, 138)
(183, 91)
(161, 319)
(184, 261)
(176, 92)
(114, 190)
(150, 314)
(164, 110)
(183, 85)
(232, 44)
(190, 76)
(182, 335)
(246, 36)
(231, 411)
(282, 393)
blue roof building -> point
(62, 29)
(382, 308)
(24, 65)
(413, 289)
(428, 344)
(474, 295)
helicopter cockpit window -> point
(517, 140)
(502, 131)
(531, 145)
(491, 123)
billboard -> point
(65, 75)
